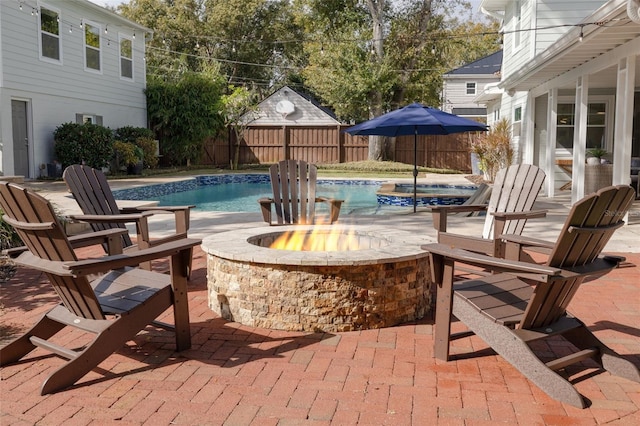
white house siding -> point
(57, 92)
(455, 90)
(550, 13)
(508, 105)
(521, 54)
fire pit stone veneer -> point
(383, 283)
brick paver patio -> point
(236, 375)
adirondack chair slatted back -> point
(515, 189)
(294, 191)
(35, 221)
(589, 226)
(91, 190)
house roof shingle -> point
(488, 65)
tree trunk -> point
(378, 145)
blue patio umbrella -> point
(416, 119)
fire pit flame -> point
(317, 240)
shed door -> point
(20, 138)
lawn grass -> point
(371, 169)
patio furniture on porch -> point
(109, 296)
(514, 192)
(92, 192)
(509, 312)
(634, 171)
(294, 194)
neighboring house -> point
(64, 61)
(569, 83)
(286, 107)
(461, 86)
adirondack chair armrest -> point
(467, 242)
(531, 214)
(334, 207)
(107, 236)
(599, 266)
(440, 253)
(501, 219)
(440, 213)
(182, 214)
(155, 209)
(265, 208)
(131, 258)
(114, 218)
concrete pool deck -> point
(625, 240)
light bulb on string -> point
(134, 35)
(581, 37)
(106, 29)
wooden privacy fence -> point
(328, 144)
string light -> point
(106, 29)
(232, 42)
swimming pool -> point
(240, 193)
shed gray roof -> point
(491, 64)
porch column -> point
(580, 138)
(552, 133)
(527, 131)
(623, 120)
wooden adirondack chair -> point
(108, 296)
(294, 194)
(91, 191)
(514, 191)
(509, 313)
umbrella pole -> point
(415, 169)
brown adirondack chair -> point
(514, 191)
(294, 194)
(92, 192)
(108, 296)
(508, 312)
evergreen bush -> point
(85, 143)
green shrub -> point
(125, 154)
(149, 157)
(132, 134)
(8, 236)
(85, 143)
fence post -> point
(340, 140)
(285, 142)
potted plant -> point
(494, 149)
(598, 172)
(127, 156)
(595, 156)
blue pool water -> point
(243, 196)
(240, 193)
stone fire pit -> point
(384, 282)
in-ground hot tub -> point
(380, 278)
(401, 194)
